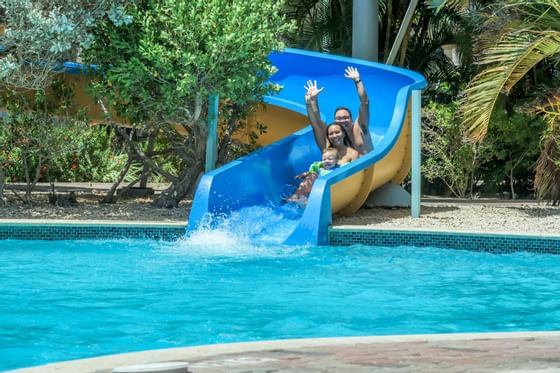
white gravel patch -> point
(522, 218)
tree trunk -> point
(404, 46)
(226, 136)
(547, 172)
(27, 198)
(2, 200)
(513, 196)
(185, 184)
(388, 33)
(149, 150)
(110, 196)
(170, 197)
(473, 167)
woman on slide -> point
(338, 151)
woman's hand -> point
(312, 90)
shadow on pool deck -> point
(536, 352)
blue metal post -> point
(212, 140)
(416, 152)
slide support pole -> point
(416, 152)
(212, 140)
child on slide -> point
(328, 163)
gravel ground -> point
(89, 208)
(479, 216)
(476, 215)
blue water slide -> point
(260, 178)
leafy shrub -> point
(449, 155)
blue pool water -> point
(64, 300)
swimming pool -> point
(62, 300)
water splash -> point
(255, 230)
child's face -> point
(329, 160)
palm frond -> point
(431, 32)
(322, 25)
(547, 170)
(512, 59)
(535, 7)
(451, 4)
(549, 107)
(480, 98)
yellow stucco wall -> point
(279, 122)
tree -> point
(518, 36)
(520, 42)
(547, 177)
(513, 143)
(157, 73)
(449, 155)
(37, 129)
(39, 36)
(36, 38)
(322, 25)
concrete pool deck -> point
(535, 352)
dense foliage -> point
(41, 35)
(157, 73)
(519, 54)
(492, 107)
(36, 131)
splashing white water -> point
(251, 231)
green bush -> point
(513, 143)
(449, 155)
(94, 157)
(502, 163)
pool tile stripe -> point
(474, 241)
(486, 242)
(81, 231)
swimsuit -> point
(317, 168)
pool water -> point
(62, 300)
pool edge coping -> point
(108, 362)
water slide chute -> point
(261, 177)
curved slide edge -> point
(313, 226)
(260, 178)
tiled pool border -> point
(74, 230)
(499, 243)
(338, 236)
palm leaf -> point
(549, 108)
(322, 25)
(452, 4)
(515, 56)
(547, 170)
(534, 7)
